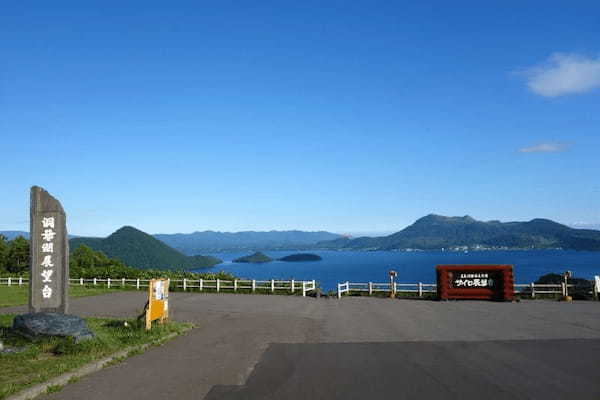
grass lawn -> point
(50, 357)
(18, 295)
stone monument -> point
(49, 254)
(49, 274)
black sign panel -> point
(472, 280)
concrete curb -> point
(87, 369)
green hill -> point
(138, 249)
(434, 232)
(257, 257)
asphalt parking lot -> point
(283, 347)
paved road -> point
(278, 347)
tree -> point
(580, 291)
(3, 253)
(83, 257)
(18, 255)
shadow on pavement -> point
(517, 369)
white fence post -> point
(123, 282)
(292, 286)
(94, 281)
(218, 284)
(253, 285)
(108, 282)
(9, 280)
(272, 286)
(20, 280)
(339, 290)
(235, 285)
(532, 290)
(184, 284)
(80, 281)
(200, 282)
(303, 289)
(420, 289)
(137, 284)
(370, 288)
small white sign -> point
(159, 292)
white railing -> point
(253, 285)
(294, 286)
(533, 289)
(272, 286)
(529, 289)
(14, 281)
(419, 288)
(343, 288)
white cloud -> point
(545, 148)
(585, 225)
(564, 74)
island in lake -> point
(301, 257)
(257, 257)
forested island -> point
(257, 257)
(301, 257)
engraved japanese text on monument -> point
(49, 270)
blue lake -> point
(373, 266)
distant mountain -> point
(139, 249)
(10, 235)
(209, 241)
(440, 232)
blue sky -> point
(343, 116)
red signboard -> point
(482, 282)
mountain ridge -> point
(435, 232)
(215, 241)
(10, 235)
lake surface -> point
(412, 267)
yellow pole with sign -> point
(158, 302)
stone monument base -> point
(37, 325)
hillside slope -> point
(139, 249)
